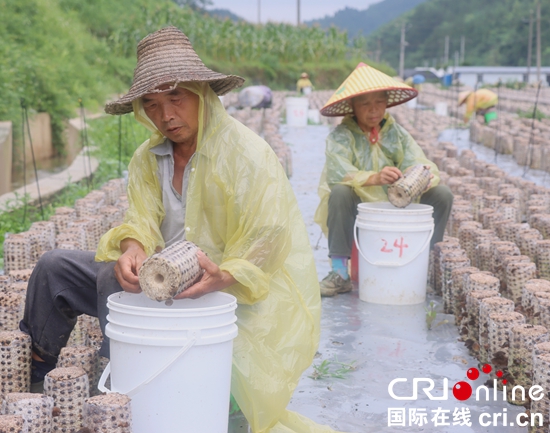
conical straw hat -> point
(366, 79)
(462, 96)
(164, 57)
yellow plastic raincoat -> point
(350, 156)
(480, 100)
(242, 212)
(303, 82)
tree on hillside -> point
(365, 21)
(495, 32)
(195, 4)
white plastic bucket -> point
(297, 111)
(441, 108)
(173, 361)
(314, 116)
(393, 253)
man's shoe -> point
(333, 283)
(37, 387)
(38, 371)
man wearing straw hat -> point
(364, 154)
(204, 177)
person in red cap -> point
(365, 153)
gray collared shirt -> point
(173, 225)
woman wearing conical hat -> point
(365, 153)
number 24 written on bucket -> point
(398, 243)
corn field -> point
(232, 41)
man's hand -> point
(431, 177)
(212, 280)
(387, 176)
(128, 265)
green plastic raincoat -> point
(351, 160)
(242, 212)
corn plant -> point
(237, 41)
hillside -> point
(224, 14)
(55, 52)
(51, 59)
(496, 33)
(367, 20)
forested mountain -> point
(367, 20)
(496, 33)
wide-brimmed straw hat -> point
(462, 96)
(164, 57)
(366, 79)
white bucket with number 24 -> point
(394, 251)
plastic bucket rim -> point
(124, 325)
(175, 309)
(378, 217)
(414, 228)
(370, 208)
(402, 214)
(296, 98)
(168, 313)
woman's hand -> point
(431, 177)
(386, 176)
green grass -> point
(528, 114)
(51, 59)
(233, 405)
(332, 369)
(431, 314)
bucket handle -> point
(101, 385)
(392, 264)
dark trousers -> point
(65, 284)
(342, 211)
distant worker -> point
(482, 101)
(256, 97)
(416, 81)
(365, 153)
(304, 86)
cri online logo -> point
(463, 390)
